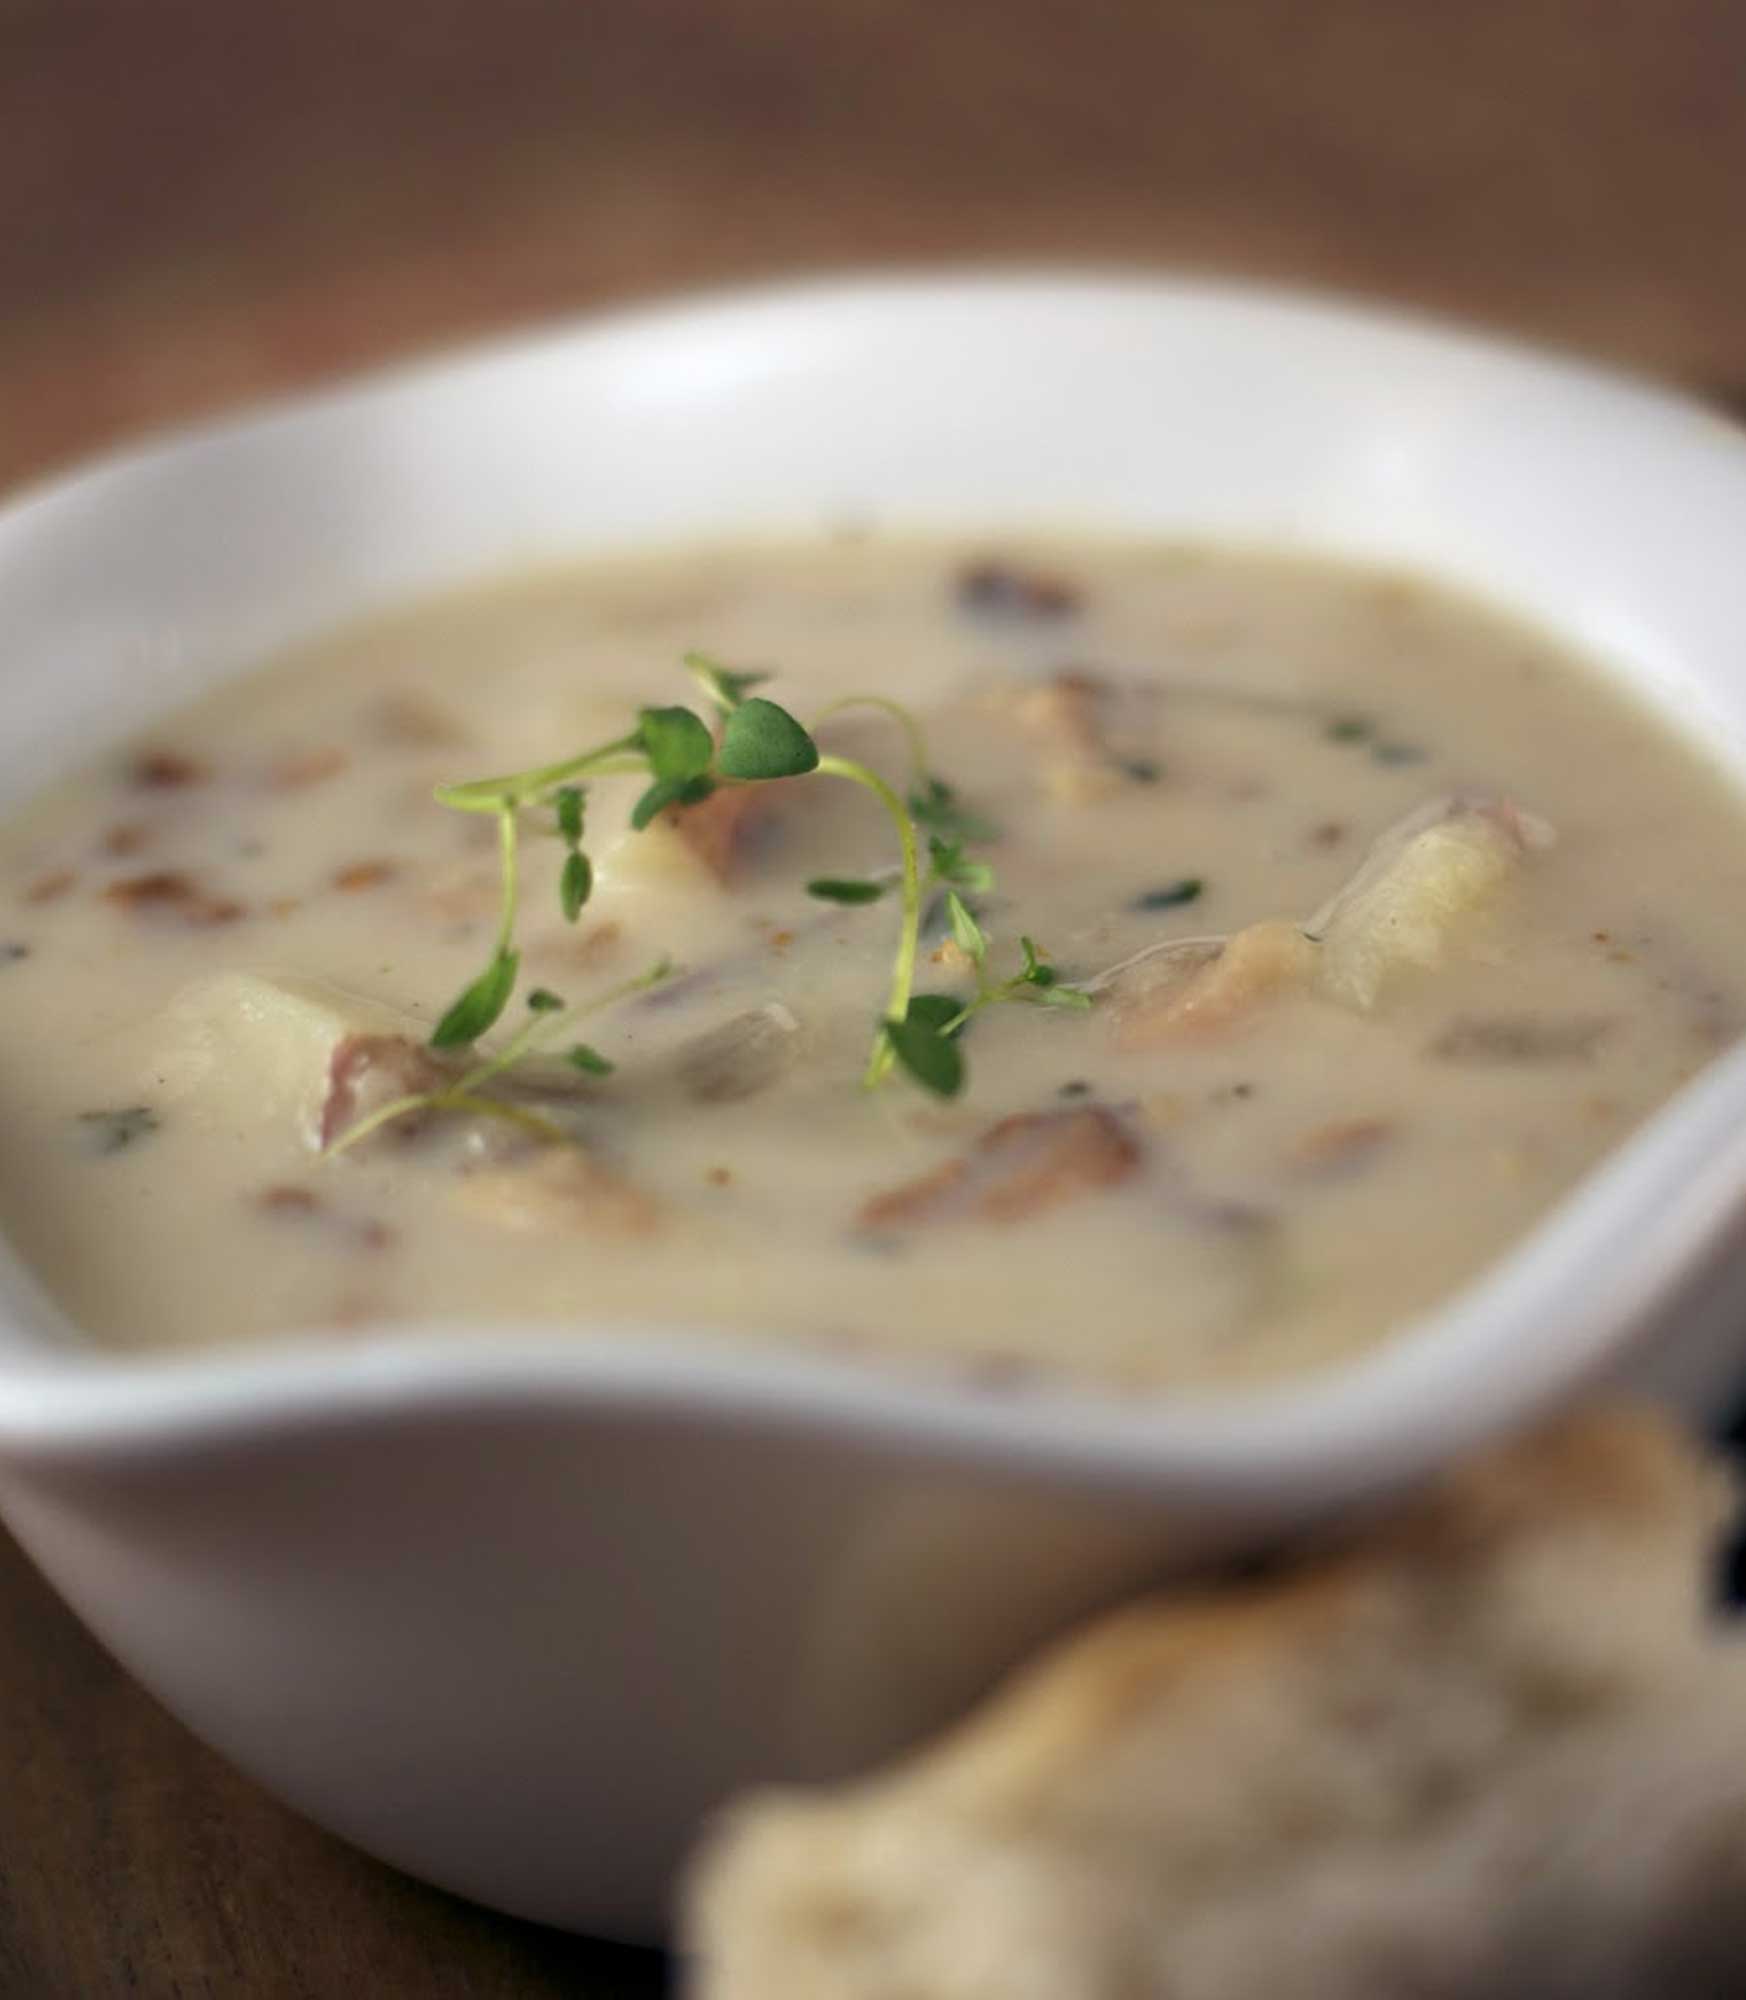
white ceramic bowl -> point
(515, 1614)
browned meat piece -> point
(1024, 1166)
(1000, 590)
(171, 895)
(719, 829)
(367, 1071)
(167, 770)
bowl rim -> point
(1555, 1309)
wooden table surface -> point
(201, 201)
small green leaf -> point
(951, 864)
(569, 804)
(935, 805)
(1073, 997)
(479, 1006)
(575, 885)
(725, 689)
(1171, 896)
(760, 741)
(666, 792)
(843, 889)
(967, 933)
(935, 1062)
(544, 1001)
(938, 1011)
(677, 744)
(589, 1061)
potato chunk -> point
(1202, 993)
(1420, 880)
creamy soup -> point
(1291, 937)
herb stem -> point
(518, 787)
(508, 850)
(912, 729)
(903, 973)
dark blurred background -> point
(201, 199)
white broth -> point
(1455, 915)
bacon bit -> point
(285, 1199)
(127, 838)
(414, 722)
(52, 887)
(558, 1187)
(375, 1235)
(365, 875)
(367, 1071)
(167, 770)
(1342, 1147)
(1216, 993)
(720, 1176)
(297, 770)
(994, 589)
(781, 940)
(719, 829)
(169, 893)
(1024, 1166)
(1330, 833)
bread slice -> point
(1496, 1749)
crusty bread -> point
(1495, 1750)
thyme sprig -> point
(685, 762)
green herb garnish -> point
(759, 742)
(1348, 729)
(1171, 896)
(116, 1131)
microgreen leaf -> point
(544, 1001)
(844, 889)
(760, 740)
(589, 1061)
(568, 801)
(1074, 998)
(724, 688)
(479, 1006)
(677, 744)
(951, 864)
(967, 933)
(1171, 896)
(935, 806)
(667, 792)
(575, 885)
(1036, 973)
(938, 1011)
(930, 1057)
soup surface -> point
(1363, 920)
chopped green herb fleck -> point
(11, 951)
(1143, 770)
(115, 1131)
(1398, 753)
(589, 1061)
(1171, 896)
(1077, 1087)
(842, 889)
(544, 1001)
(1348, 729)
